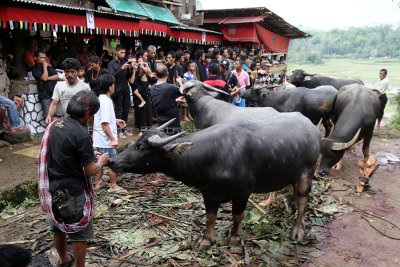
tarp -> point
(243, 32)
(272, 42)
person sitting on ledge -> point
(9, 115)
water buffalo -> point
(229, 161)
(356, 111)
(207, 111)
(315, 104)
(299, 78)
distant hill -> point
(363, 42)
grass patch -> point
(23, 195)
(365, 69)
(395, 122)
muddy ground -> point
(367, 234)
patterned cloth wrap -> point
(45, 196)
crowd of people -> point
(135, 73)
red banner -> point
(272, 41)
(60, 19)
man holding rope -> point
(66, 163)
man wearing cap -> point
(229, 78)
(264, 76)
(225, 56)
(94, 73)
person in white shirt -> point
(63, 91)
(105, 135)
(382, 86)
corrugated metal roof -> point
(272, 22)
(141, 9)
(160, 13)
(194, 29)
(42, 3)
(232, 20)
(129, 6)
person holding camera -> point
(142, 102)
(122, 71)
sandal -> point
(68, 263)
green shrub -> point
(395, 123)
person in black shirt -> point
(151, 57)
(70, 157)
(229, 77)
(174, 70)
(122, 71)
(47, 78)
(216, 81)
(201, 67)
(164, 97)
(94, 73)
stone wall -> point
(32, 114)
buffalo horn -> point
(214, 89)
(157, 141)
(319, 124)
(259, 87)
(186, 86)
(307, 74)
(165, 125)
(342, 146)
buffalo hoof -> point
(234, 240)
(298, 233)
(338, 166)
(205, 243)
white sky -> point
(323, 14)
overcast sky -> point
(323, 14)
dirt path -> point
(351, 240)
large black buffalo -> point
(356, 111)
(315, 104)
(229, 161)
(300, 78)
(208, 111)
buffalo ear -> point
(177, 149)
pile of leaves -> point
(161, 220)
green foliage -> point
(24, 194)
(395, 123)
(363, 42)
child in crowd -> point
(105, 136)
(81, 73)
(190, 75)
(136, 91)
